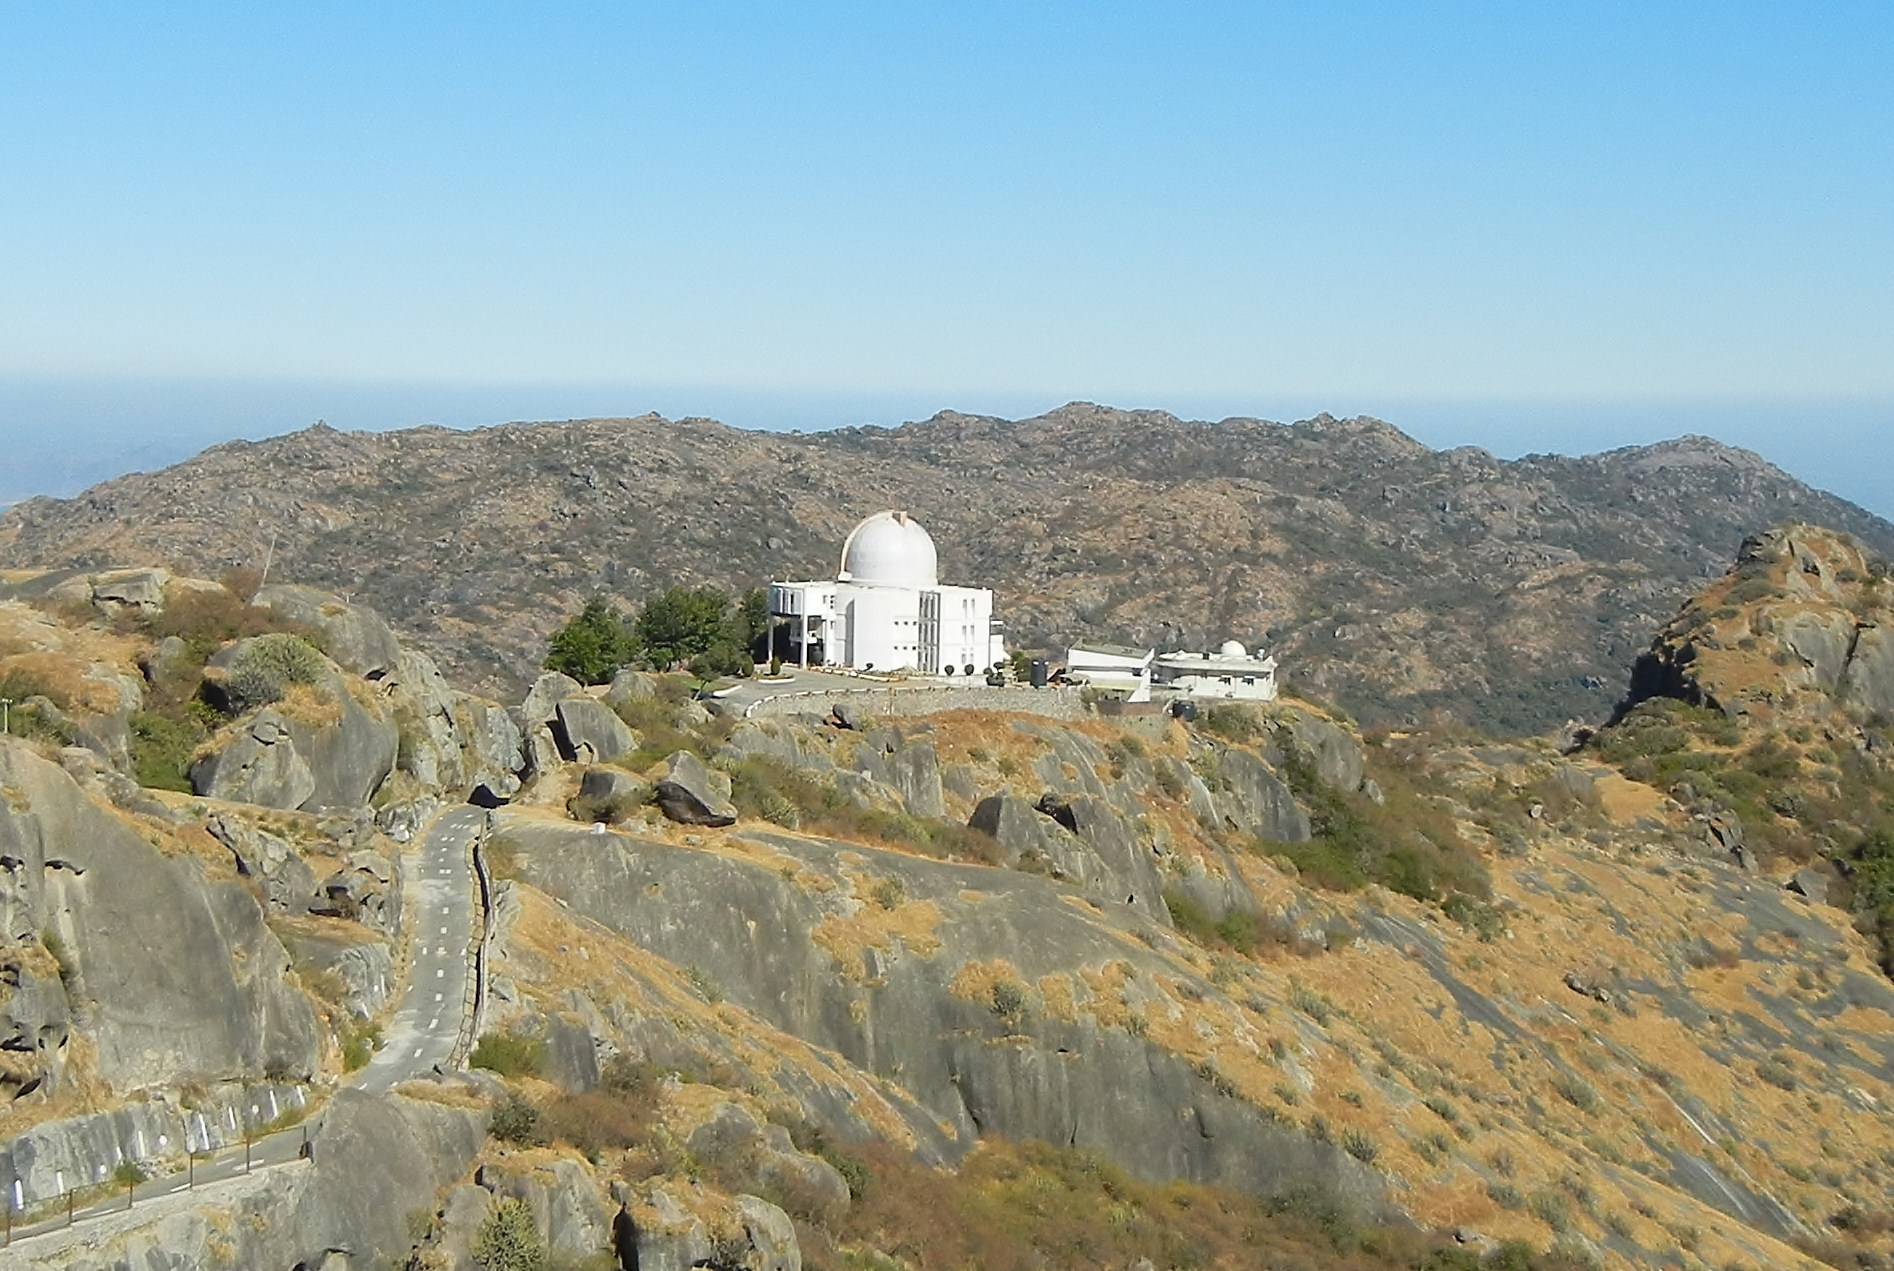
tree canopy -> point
(594, 646)
(694, 627)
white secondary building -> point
(1113, 667)
(1230, 672)
(886, 609)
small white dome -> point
(892, 549)
(1233, 649)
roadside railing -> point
(474, 997)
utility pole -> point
(269, 555)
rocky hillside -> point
(975, 988)
(1393, 579)
(1767, 706)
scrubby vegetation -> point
(1407, 842)
(773, 791)
(1021, 1206)
(178, 715)
(509, 1054)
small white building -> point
(1114, 667)
(887, 610)
(1231, 672)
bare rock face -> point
(1868, 680)
(355, 638)
(691, 794)
(1333, 753)
(590, 732)
(781, 740)
(1803, 616)
(130, 588)
(895, 1011)
(1019, 827)
(629, 686)
(536, 717)
(35, 1025)
(349, 758)
(364, 891)
(335, 757)
(258, 763)
(176, 977)
(376, 1160)
(657, 1233)
(1255, 800)
(910, 766)
(288, 882)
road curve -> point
(442, 904)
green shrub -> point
(267, 667)
(514, 1121)
(509, 1239)
(509, 1054)
(62, 957)
(162, 745)
(1009, 1002)
(1576, 1091)
(1232, 723)
(1408, 842)
(359, 1044)
(1360, 1145)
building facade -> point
(1231, 672)
(886, 609)
(1116, 668)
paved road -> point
(425, 1026)
(420, 1035)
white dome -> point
(892, 549)
(1233, 649)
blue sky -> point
(1525, 226)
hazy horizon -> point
(85, 431)
(1521, 227)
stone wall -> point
(898, 700)
(45, 1162)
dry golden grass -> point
(848, 937)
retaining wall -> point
(894, 699)
(51, 1159)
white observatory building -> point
(886, 609)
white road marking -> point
(443, 930)
(441, 974)
(417, 1052)
(437, 997)
(434, 1023)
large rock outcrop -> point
(688, 792)
(174, 975)
(375, 1160)
(1803, 615)
(909, 996)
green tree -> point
(509, 1240)
(594, 646)
(752, 620)
(682, 624)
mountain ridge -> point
(1397, 579)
